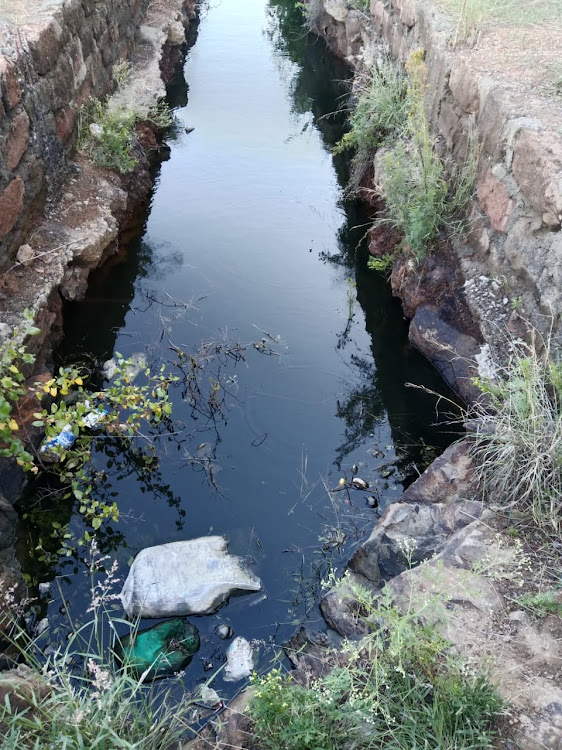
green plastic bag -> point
(161, 650)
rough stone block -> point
(494, 200)
(450, 124)
(65, 121)
(45, 44)
(377, 11)
(337, 9)
(464, 86)
(16, 140)
(537, 167)
(9, 84)
(407, 11)
(11, 205)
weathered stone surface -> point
(337, 9)
(449, 479)
(450, 351)
(10, 90)
(458, 592)
(233, 729)
(95, 237)
(450, 124)
(8, 520)
(45, 42)
(342, 611)
(239, 660)
(442, 501)
(307, 653)
(184, 578)
(11, 205)
(464, 86)
(537, 167)
(16, 140)
(494, 200)
(21, 684)
(25, 254)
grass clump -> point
(542, 603)
(380, 112)
(107, 133)
(517, 433)
(423, 192)
(81, 696)
(471, 16)
(398, 689)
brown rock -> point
(453, 353)
(234, 728)
(450, 478)
(65, 120)
(22, 684)
(16, 140)
(44, 43)
(11, 205)
(537, 167)
(10, 90)
(450, 123)
(494, 200)
(464, 86)
(343, 612)
(383, 240)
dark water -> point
(248, 238)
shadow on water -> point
(248, 232)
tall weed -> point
(517, 433)
(379, 114)
(423, 192)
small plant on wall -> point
(423, 192)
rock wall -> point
(49, 65)
(515, 217)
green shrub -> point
(423, 193)
(396, 689)
(66, 406)
(379, 113)
(517, 432)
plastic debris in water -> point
(61, 442)
(359, 484)
(161, 650)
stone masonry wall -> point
(517, 211)
(62, 53)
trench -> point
(248, 240)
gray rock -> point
(341, 610)
(239, 660)
(437, 505)
(184, 578)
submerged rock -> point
(239, 660)
(184, 578)
(160, 651)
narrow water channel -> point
(248, 240)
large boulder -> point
(184, 578)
